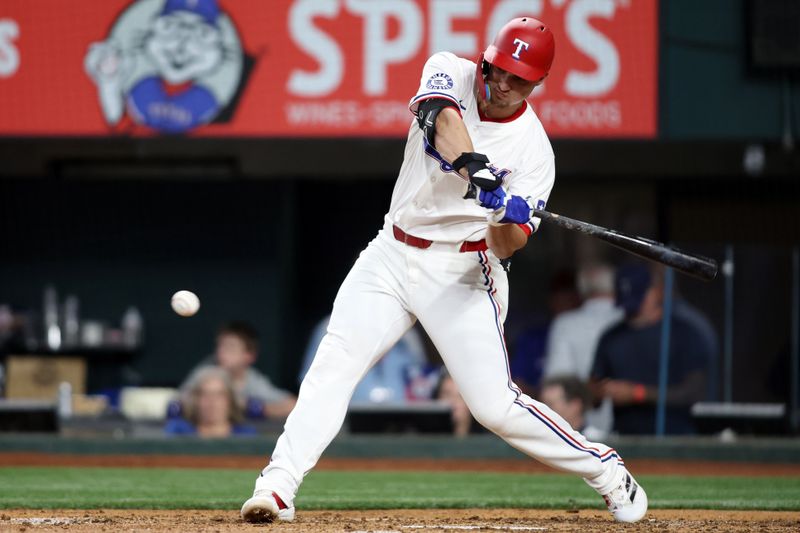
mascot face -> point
(184, 46)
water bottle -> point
(52, 330)
(65, 399)
(71, 330)
(132, 328)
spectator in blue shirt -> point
(626, 364)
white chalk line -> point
(47, 521)
(454, 528)
(469, 528)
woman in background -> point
(210, 407)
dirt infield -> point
(395, 521)
(400, 521)
(640, 466)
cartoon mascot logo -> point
(168, 65)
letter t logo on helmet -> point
(520, 44)
(525, 47)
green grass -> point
(152, 488)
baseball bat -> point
(698, 266)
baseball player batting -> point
(477, 161)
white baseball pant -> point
(461, 301)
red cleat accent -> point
(281, 505)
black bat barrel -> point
(694, 265)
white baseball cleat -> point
(266, 506)
(628, 501)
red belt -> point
(416, 242)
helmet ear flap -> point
(486, 67)
(482, 70)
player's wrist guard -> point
(478, 169)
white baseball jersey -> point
(428, 197)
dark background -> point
(266, 229)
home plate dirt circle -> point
(400, 521)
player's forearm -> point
(687, 392)
(691, 390)
(452, 138)
(624, 392)
(505, 239)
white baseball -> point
(185, 303)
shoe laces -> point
(623, 494)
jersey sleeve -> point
(442, 77)
(535, 185)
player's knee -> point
(491, 415)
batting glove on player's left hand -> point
(494, 199)
(516, 210)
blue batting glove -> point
(493, 200)
(517, 210)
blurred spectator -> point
(570, 397)
(563, 292)
(573, 335)
(236, 352)
(527, 363)
(682, 308)
(12, 327)
(460, 414)
(211, 408)
(389, 380)
(627, 360)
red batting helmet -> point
(525, 47)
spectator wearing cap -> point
(626, 363)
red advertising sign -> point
(298, 68)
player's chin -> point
(505, 101)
